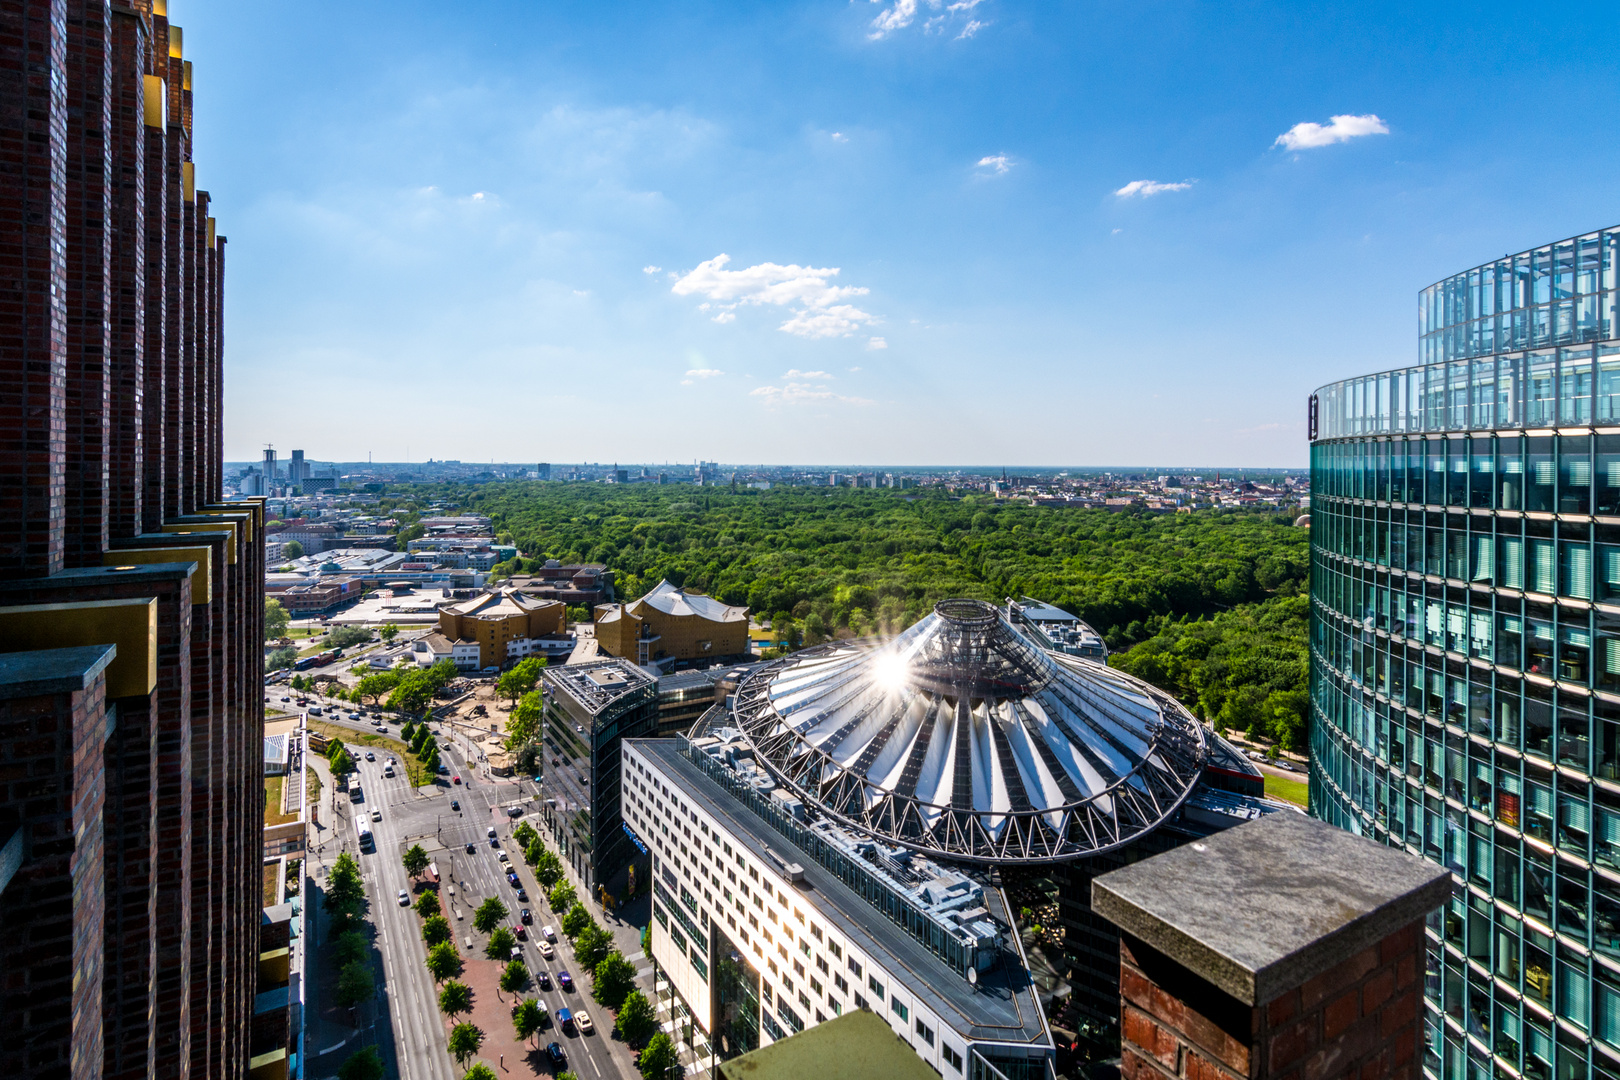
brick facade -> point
(1357, 1021)
(111, 446)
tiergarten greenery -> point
(1209, 605)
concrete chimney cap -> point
(1262, 908)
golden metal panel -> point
(156, 102)
(225, 524)
(129, 624)
(185, 75)
(202, 578)
(210, 233)
(188, 181)
(247, 513)
(160, 7)
(176, 37)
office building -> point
(870, 791)
(1465, 647)
(668, 625)
(590, 710)
(131, 594)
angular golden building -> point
(668, 624)
(499, 618)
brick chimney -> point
(1284, 949)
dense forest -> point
(1208, 605)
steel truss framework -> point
(973, 663)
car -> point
(471, 848)
(554, 1051)
(584, 1022)
(514, 811)
(490, 832)
(546, 950)
(525, 916)
(543, 977)
(523, 897)
(500, 856)
(565, 980)
(404, 898)
(288, 698)
(494, 842)
(565, 1019)
(520, 933)
(549, 934)
(512, 879)
(376, 815)
(455, 804)
(370, 756)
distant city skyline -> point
(823, 230)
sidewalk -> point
(329, 1036)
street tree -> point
(276, 619)
(465, 1039)
(349, 948)
(576, 920)
(416, 860)
(443, 961)
(375, 686)
(534, 852)
(345, 892)
(389, 632)
(592, 945)
(500, 944)
(548, 869)
(436, 929)
(354, 985)
(490, 914)
(337, 757)
(659, 1059)
(281, 658)
(455, 998)
(480, 1071)
(363, 1064)
(430, 761)
(636, 1019)
(521, 679)
(615, 978)
(523, 722)
(526, 1018)
(427, 904)
(515, 977)
(291, 550)
(562, 896)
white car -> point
(376, 815)
(501, 855)
(584, 1022)
(549, 934)
(547, 951)
(404, 898)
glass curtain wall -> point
(1465, 648)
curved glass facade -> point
(1465, 645)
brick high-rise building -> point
(131, 595)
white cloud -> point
(1146, 188)
(895, 18)
(725, 317)
(874, 343)
(704, 373)
(1116, 232)
(651, 269)
(998, 162)
(900, 14)
(819, 315)
(686, 382)
(795, 373)
(854, 369)
(795, 393)
(839, 136)
(1308, 136)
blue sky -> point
(844, 232)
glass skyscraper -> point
(1465, 648)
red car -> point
(520, 933)
(455, 779)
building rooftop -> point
(1236, 909)
(498, 604)
(672, 601)
(856, 1046)
(595, 686)
(1002, 1006)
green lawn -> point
(1294, 791)
(272, 803)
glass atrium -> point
(1465, 644)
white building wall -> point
(801, 959)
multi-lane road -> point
(408, 1005)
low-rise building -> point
(494, 620)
